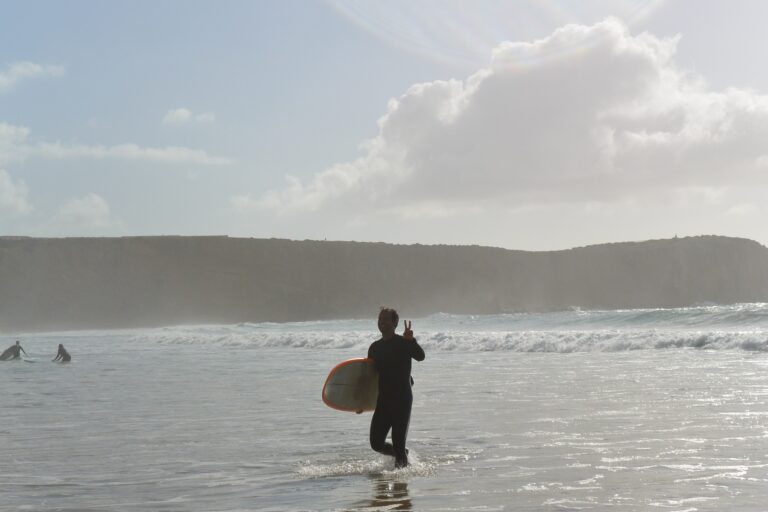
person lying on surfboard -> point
(12, 352)
(392, 356)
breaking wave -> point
(709, 327)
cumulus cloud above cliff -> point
(89, 211)
(13, 195)
(590, 114)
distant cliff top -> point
(676, 239)
(80, 283)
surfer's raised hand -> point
(408, 332)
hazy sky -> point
(526, 125)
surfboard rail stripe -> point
(335, 369)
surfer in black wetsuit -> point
(392, 355)
(12, 352)
(62, 355)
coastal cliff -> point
(92, 283)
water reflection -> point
(388, 495)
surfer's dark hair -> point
(393, 314)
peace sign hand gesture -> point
(407, 333)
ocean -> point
(657, 409)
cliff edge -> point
(92, 283)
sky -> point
(533, 125)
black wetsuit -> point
(12, 352)
(63, 356)
(393, 407)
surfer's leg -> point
(380, 425)
(399, 434)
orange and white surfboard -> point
(352, 385)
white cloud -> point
(169, 154)
(14, 147)
(89, 212)
(590, 114)
(12, 142)
(13, 195)
(184, 116)
(742, 210)
(19, 71)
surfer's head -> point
(18, 342)
(388, 319)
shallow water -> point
(200, 418)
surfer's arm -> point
(25, 352)
(416, 351)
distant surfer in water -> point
(392, 355)
(12, 352)
(62, 355)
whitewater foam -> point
(736, 327)
(564, 341)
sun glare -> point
(464, 33)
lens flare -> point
(465, 33)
